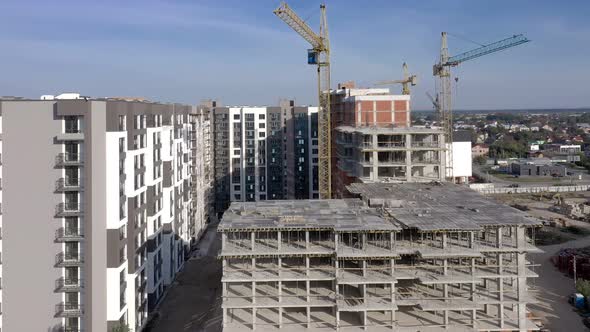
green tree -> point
(121, 328)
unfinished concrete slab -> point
(404, 257)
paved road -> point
(554, 288)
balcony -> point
(68, 209)
(70, 135)
(68, 159)
(69, 329)
(68, 285)
(425, 145)
(63, 260)
(68, 310)
(68, 234)
(68, 184)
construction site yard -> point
(553, 287)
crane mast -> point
(442, 69)
(318, 55)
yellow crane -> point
(442, 70)
(318, 55)
(405, 82)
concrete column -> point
(364, 266)
(444, 240)
(392, 266)
(337, 319)
(280, 263)
(223, 240)
(365, 327)
(307, 266)
(307, 292)
(472, 239)
(253, 318)
(364, 241)
(335, 241)
(280, 291)
(408, 157)
(306, 239)
(499, 237)
(253, 267)
(393, 319)
(279, 240)
(252, 239)
(375, 158)
(280, 317)
(224, 317)
(392, 241)
(253, 292)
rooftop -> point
(390, 130)
(384, 207)
(332, 214)
(439, 206)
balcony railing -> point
(68, 234)
(62, 260)
(68, 159)
(68, 284)
(68, 209)
(66, 309)
(425, 144)
(69, 329)
(68, 184)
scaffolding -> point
(380, 263)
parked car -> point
(514, 185)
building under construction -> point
(403, 257)
(374, 142)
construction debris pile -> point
(564, 261)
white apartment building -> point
(265, 153)
(103, 191)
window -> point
(236, 152)
(236, 116)
(301, 142)
(122, 123)
(261, 134)
(71, 125)
(261, 125)
(261, 116)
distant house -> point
(547, 127)
(480, 150)
(584, 126)
(578, 139)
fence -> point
(529, 190)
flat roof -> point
(330, 214)
(439, 206)
(390, 130)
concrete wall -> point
(29, 206)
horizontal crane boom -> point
(285, 13)
(487, 49)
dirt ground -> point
(193, 303)
(552, 288)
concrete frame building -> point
(394, 154)
(405, 257)
(373, 140)
(103, 197)
(265, 153)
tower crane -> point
(443, 70)
(318, 55)
(405, 82)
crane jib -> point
(487, 49)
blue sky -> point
(240, 53)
